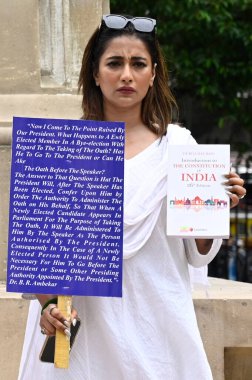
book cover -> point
(197, 204)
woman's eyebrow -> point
(115, 57)
(139, 58)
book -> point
(197, 204)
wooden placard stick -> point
(62, 342)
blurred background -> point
(208, 50)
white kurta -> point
(151, 332)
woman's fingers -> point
(234, 188)
(234, 178)
(233, 198)
(74, 316)
(52, 319)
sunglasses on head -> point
(141, 24)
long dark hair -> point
(158, 104)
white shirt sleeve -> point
(195, 258)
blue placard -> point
(66, 207)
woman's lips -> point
(126, 90)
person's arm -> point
(43, 298)
(204, 245)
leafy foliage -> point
(208, 48)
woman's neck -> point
(131, 118)
(137, 135)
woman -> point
(151, 332)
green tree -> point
(208, 48)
